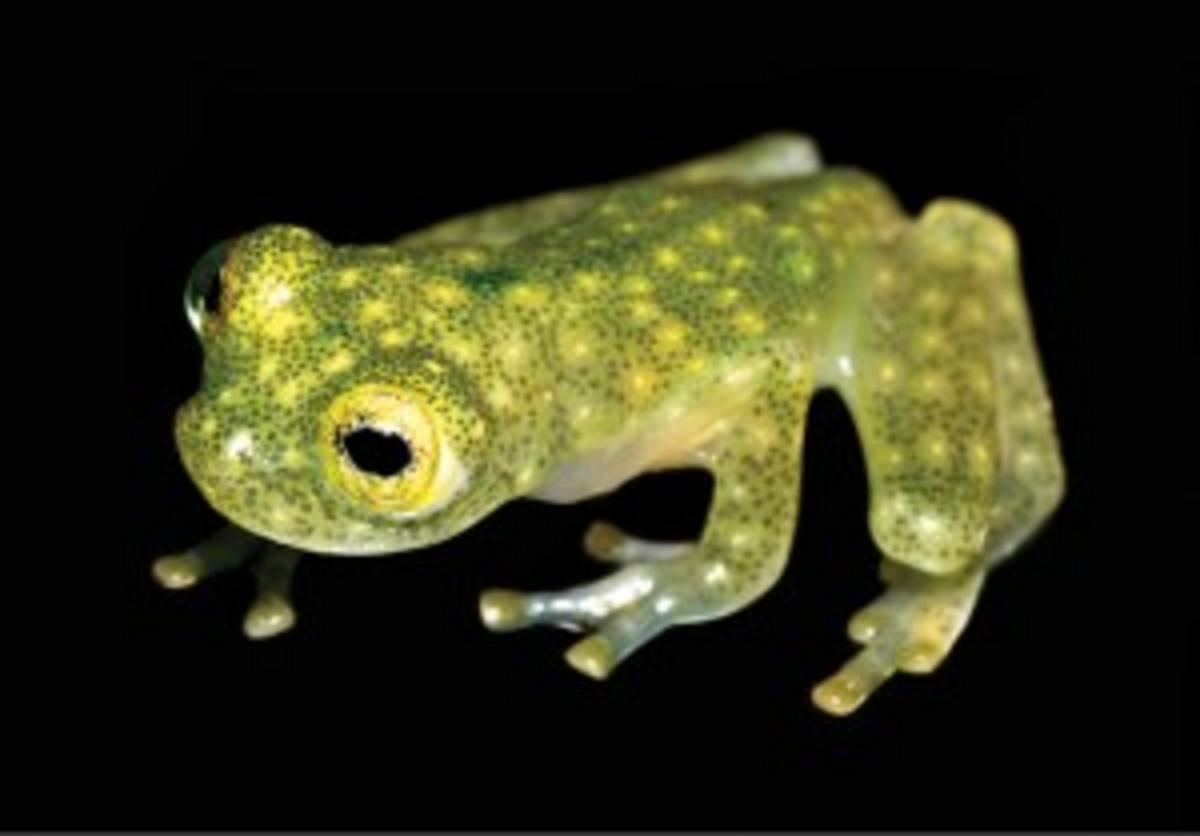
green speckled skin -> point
(558, 347)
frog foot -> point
(272, 612)
(657, 587)
(910, 628)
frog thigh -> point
(947, 394)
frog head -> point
(328, 418)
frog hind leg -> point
(958, 434)
(273, 565)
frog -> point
(374, 399)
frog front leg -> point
(272, 612)
(741, 553)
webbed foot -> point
(910, 628)
(658, 585)
(272, 612)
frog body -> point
(375, 399)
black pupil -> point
(372, 451)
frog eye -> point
(202, 293)
(377, 451)
(381, 446)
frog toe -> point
(272, 612)
(910, 628)
(616, 638)
(606, 542)
(228, 548)
(177, 571)
(269, 616)
(502, 610)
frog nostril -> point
(380, 453)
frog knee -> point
(933, 536)
(960, 229)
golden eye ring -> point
(387, 412)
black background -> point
(390, 706)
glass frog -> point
(377, 399)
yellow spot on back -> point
(637, 284)
(587, 282)
(528, 296)
(268, 367)
(737, 263)
(349, 277)
(726, 296)
(670, 203)
(337, 362)
(713, 234)
(667, 257)
(749, 322)
(639, 382)
(642, 310)
(513, 352)
(445, 292)
(393, 338)
(280, 322)
(288, 392)
(460, 348)
(374, 310)
(500, 396)
(671, 335)
(396, 271)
